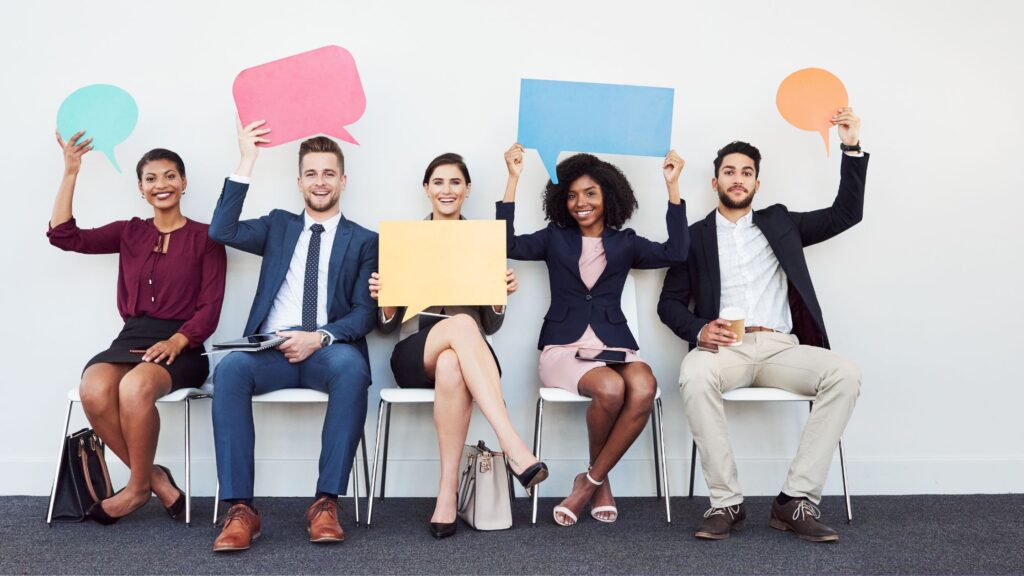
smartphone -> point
(601, 355)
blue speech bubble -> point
(556, 116)
(105, 112)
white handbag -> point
(485, 489)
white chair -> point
(389, 396)
(305, 396)
(774, 395)
(186, 395)
(558, 395)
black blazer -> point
(699, 279)
(573, 307)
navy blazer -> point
(351, 313)
(573, 307)
(699, 279)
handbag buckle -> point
(485, 462)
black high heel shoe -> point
(174, 510)
(533, 475)
(100, 516)
(441, 530)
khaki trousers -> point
(773, 360)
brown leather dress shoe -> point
(322, 521)
(241, 525)
(719, 523)
(802, 517)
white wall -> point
(923, 294)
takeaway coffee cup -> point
(736, 318)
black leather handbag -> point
(83, 479)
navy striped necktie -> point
(309, 287)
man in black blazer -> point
(753, 261)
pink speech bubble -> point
(316, 92)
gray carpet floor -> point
(889, 535)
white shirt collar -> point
(745, 222)
(329, 224)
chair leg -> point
(384, 464)
(538, 429)
(188, 462)
(373, 475)
(366, 462)
(657, 460)
(693, 465)
(216, 502)
(660, 455)
(60, 456)
(355, 481)
(846, 490)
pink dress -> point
(559, 367)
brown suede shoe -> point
(719, 523)
(322, 520)
(241, 525)
(800, 516)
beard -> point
(331, 202)
(731, 204)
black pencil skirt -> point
(189, 369)
(407, 361)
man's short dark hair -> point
(618, 198)
(737, 147)
(321, 144)
(159, 154)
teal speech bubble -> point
(105, 112)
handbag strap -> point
(97, 448)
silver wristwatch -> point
(325, 338)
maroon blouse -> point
(186, 283)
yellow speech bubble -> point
(427, 263)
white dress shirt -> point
(286, 312)
(751, 276)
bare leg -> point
(606, 390)
(461, 335)
(140, 423)
(99, 394)
(640, 388)
(453, 407)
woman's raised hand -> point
(672, 168)
(514, 159)
(511, 282)
(73, 151)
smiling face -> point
(321, 183)
(737, 181)
(447, 190)
(162, 184)
(585, 202)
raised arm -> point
(648, 254)
(530, 246)
(225, 227)
(848, 207)
(73, 152)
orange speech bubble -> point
(809, 98)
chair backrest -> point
(628, 304)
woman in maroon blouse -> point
(170, 286)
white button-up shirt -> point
(751, 276)
(286, 311)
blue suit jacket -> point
(573, 306)
(351, 313)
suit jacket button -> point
(589, 297)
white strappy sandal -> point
(564, 511)
(594, 511)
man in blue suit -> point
(312, 290)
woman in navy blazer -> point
(588, 256)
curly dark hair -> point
(619, 200)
